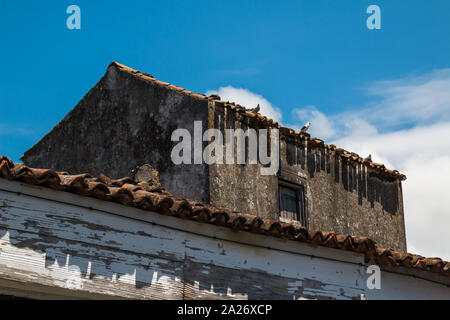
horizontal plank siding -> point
(58, 245)
(76, 248)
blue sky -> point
(307, 59)
(294, 53)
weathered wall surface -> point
(241, 187)
(79, 247)
(340, 197)
(123, 122)
(344, 198)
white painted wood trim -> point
(204, 229)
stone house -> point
(127, 119)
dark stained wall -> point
(241, 187)
(346, 198)
(123, 122)
(340, 197)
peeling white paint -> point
(74, 248)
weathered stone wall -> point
(123, 122)
(126, 121)
(346, 198)
(340, 197)
(241, 187)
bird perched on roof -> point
(255, 110)
(214, 97)
(305, 127)
(369, 158)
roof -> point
(129, 192)
(291, 134)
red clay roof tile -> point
(128, 192)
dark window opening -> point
(292, 203)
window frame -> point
(300, 201)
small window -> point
(292, 204)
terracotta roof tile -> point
(395, 258)
(149, 77)
(128, 192)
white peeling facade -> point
(58, 245)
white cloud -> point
(410, 101)
(248, 99)
(321, 126)
(356, 127)
(331, 127)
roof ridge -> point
(129, 192)
(149, 77)
(288, 132)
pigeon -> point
(214, 97)
(369, 158)
(256, 110)
(305, 127)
